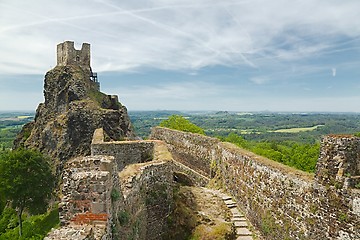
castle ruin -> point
(124, 189)
(68, 55)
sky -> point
(233, 55)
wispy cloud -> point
(177, 35)
(232, 53)
(260, 80)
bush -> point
(178, 122)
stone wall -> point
(86, 198)
(339, 162)
(282, 202)
(147, 192)
(193, 150)
(124, 152)
(101, 201)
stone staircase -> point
(238, 218)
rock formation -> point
(73, 108)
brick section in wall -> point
(88, 217)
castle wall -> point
(124, 152)
(85, 206)
(101, 201)
(282, 202)
(147, 191)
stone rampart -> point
(104, 199)
(282, 202)
(194, 152)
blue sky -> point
(237, 55)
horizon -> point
(246, 56)
(206, 111)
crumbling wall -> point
(147, 190)
(85, 208)
(284, 203)
(124, 152)
(99, 201)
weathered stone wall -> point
(101, 202)
(193, 150)
(194, 178)
(124, 152)
(282, 202)
(86, 197)
(339, 162)
(147, 191)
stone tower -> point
(68, 55)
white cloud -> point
(172, 35)
(276, 44)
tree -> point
(26, 181)
(178, 122)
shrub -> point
(180, 123)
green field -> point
(297, 130)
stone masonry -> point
(68, 55)
(124, 190)
(124, 196)
(282, 202)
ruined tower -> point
(68, 55)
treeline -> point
(298, 155)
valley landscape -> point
(179, 120)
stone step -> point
(225, 197)
(242, 231)
(238, 219)
(240, 224)
(236, 213)
(230, 201)
(231, 205)
(244, 238)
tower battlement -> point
(68, 55)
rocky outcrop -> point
(73, 109)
